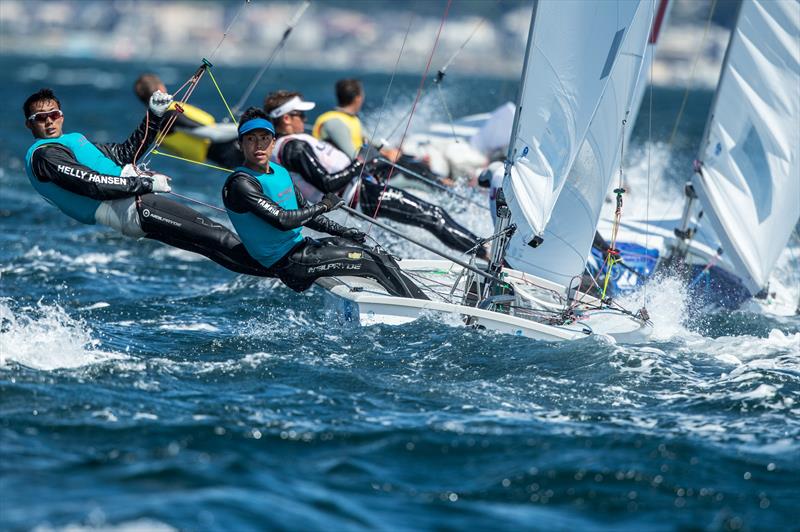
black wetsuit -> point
(160, 218)
(395, 203)
(312, 258)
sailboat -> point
(465, 146)
(743, 200)
(582, 64)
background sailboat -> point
(743, 201)
(590, 74)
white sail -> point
(571, 51)
(569, 234)
(750, 179)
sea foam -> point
(46, 337)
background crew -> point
(318, 167)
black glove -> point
(485, 179)
(351, 233)
(331, 202)
(371, 166)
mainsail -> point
(749, 182)
(567, 171)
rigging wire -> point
(192, 82)
(230, 113)
(290, 26)
(612, 253)
(440, 74)
(691, 75)
(649, 154)
(354, 200)
(689, 84)
(187, 198)
(416, 101)
(443, 70)
(161, 135)
(228, 29)
(190, 85)
(171, 156)
(452, 123)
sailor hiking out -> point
(318, 167)
(268, 213)
(98, 183)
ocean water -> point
(143, 388)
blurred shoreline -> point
(357, 36)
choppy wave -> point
(47, 260)
(46, 337)
(147, 388)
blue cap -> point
(255, 123)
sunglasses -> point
(42, 116)
(300, 114)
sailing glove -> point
(371, 166)
(159, 103)
(160, 183)
(131, 171)
(331, 201)
(351, 233)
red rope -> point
(355, 198)
(414, 106)
(192, 83)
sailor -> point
(342, 126)
(318, 167)
(268, 212)
(195, 135)
(97, 183)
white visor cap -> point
(295, 104)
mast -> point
(683, 232)
(500, 245)
(515, 126)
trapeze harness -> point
(150, 215)
(395, 203)
(268, 244)
(299, 261)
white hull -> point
(362, 301)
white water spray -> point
(46, 337)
